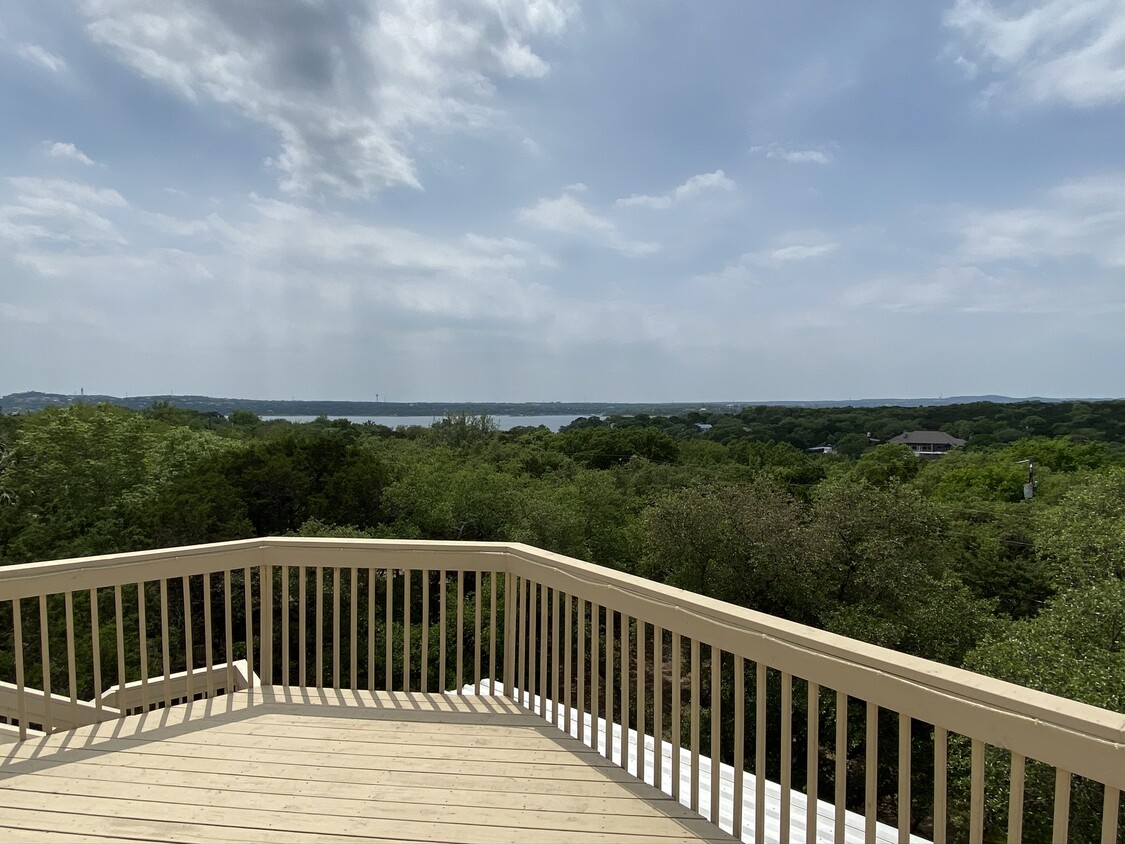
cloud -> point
(1046, 52)
(791, 248)
(810, 155)
(566, 214)
(35, 54)
(1079, 219)
(692, 189)
(352, 91)
(56, 211)
(67, 151)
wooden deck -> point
(292, 765)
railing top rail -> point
(27, 580)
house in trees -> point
(928, 443)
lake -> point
(504, 423)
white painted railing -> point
(97, 638)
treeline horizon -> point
(943, 559)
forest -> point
(944, 559)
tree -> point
(1075, 648)
(1082, 539)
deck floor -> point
(293, 765)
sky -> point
(538, 200)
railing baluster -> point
(695, 748)
(208, 648)
(658, 706)
(609, 682)
(976, 794)
(119, 628)
(336, 579)
(71, 668)
(492, 633)
(568, 660)
(840, 783)
(228, 625)
(786, 755)
(543, 643)
(476, 632)
(904, 728)
(760, 751)
(371, 579)
(739, 744)
(812, 761)
(941, 762)
(532, 650)
(509, 665)
(642, 701)
(407, 577)
(1061, 822)
(248, 599)
(265, 623)
(582, 670)
(17, 644)
(425, 631)
(318, 604)
(677, 716)
(425, 667)
(1015, 799)
(554, 657)
(460, 630)
(353, 627)
(164, 636)
(142, 644)
(624, 669)
(871, 783)
(284, 625)
(1111, 807)
(189, 659)
(520, 647)
(716, 731)
(595, 672)
(302, 624)
(389, 638)
(96, 650)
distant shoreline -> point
(28, 402)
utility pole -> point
(1029, 487)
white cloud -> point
(1079, 219)
(1045, 52)
(35, 54)
(58, 211)
(566, 214)
(349, 90)
(67, 151)
(808, 155)
(796, 252)
(693, 188)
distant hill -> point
(31, 401)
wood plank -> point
(70, 827)
(452, 828)
(420, 764)
(484, 780)
(359, 753)
(569, 814)
(604, 800)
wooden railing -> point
(930, 748)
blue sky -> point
(556, 200)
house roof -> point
(926, 438)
